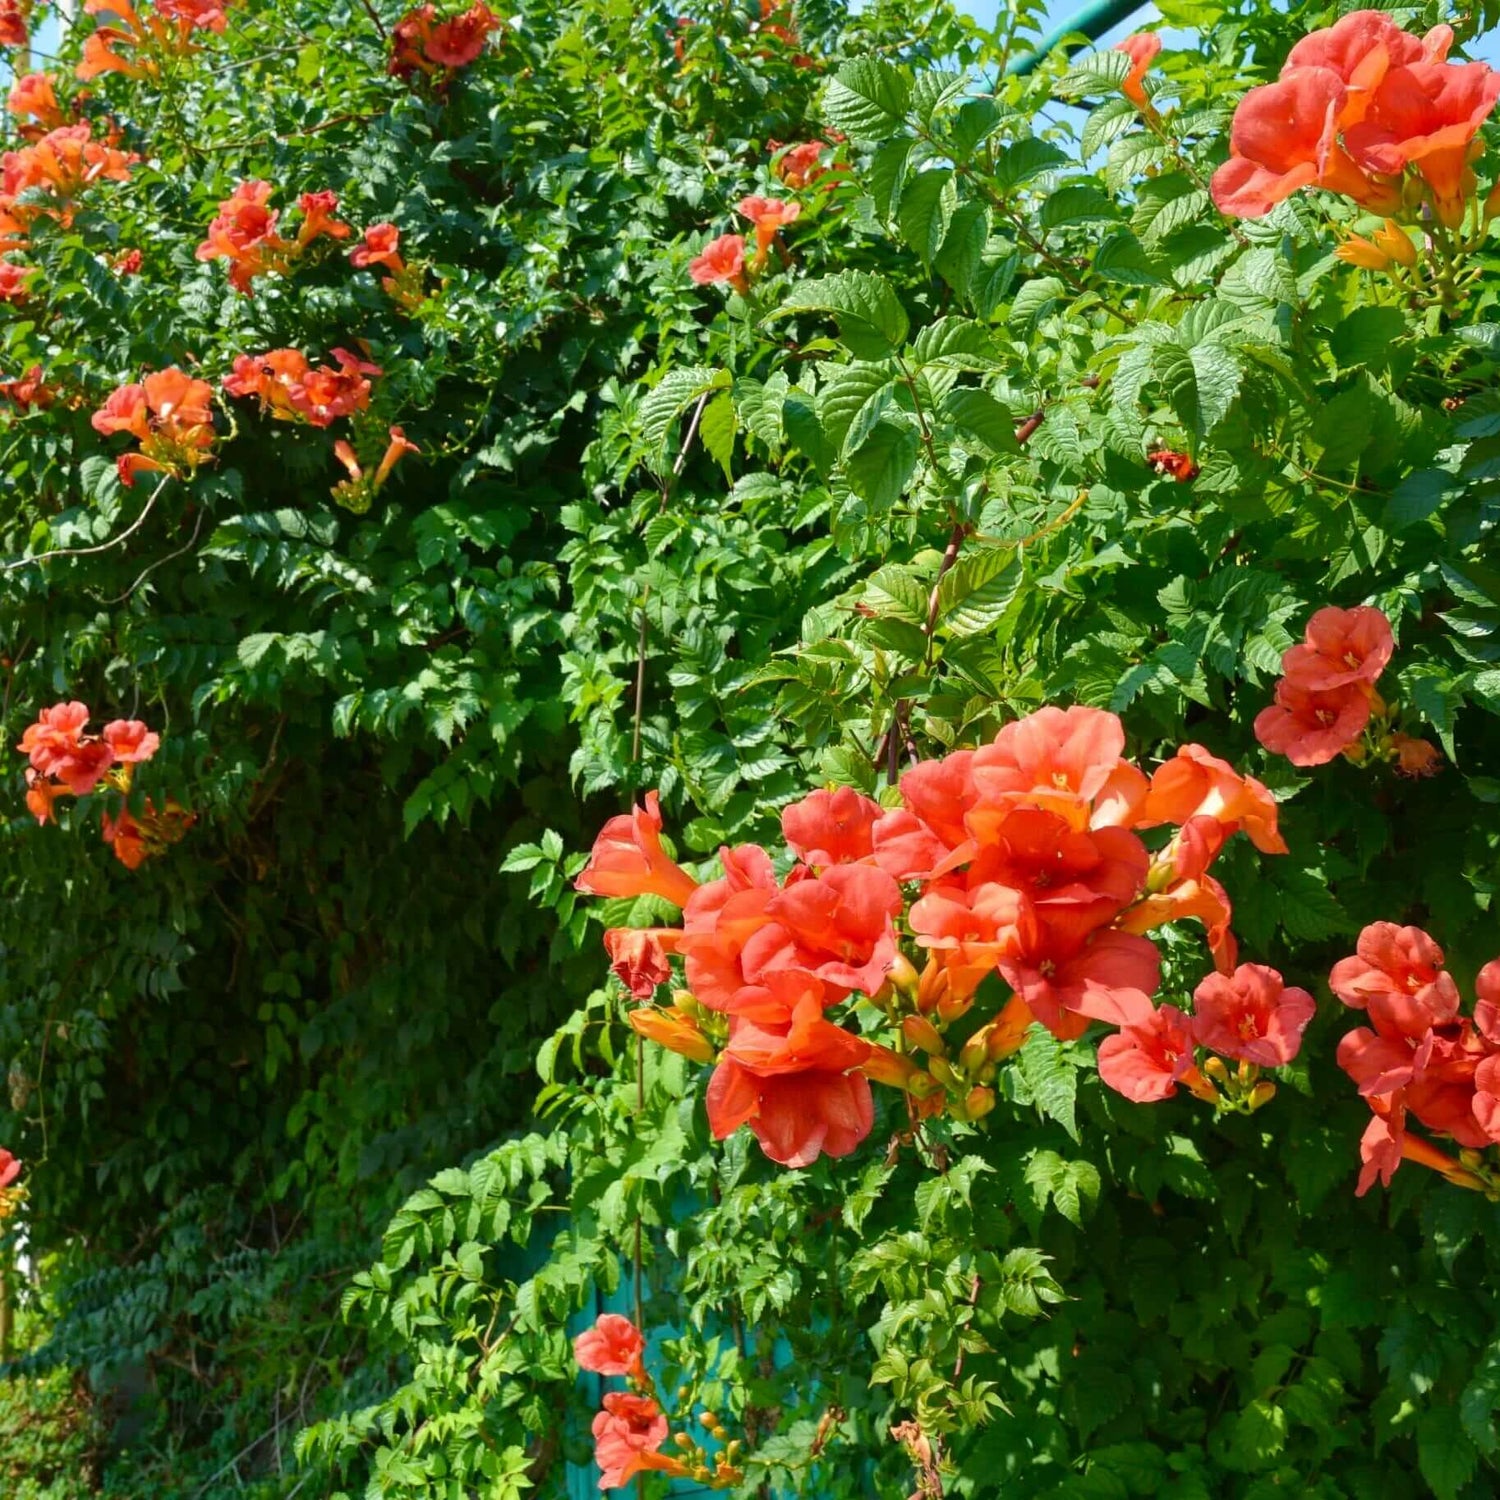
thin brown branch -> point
(112, 543)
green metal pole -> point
(1092, 19)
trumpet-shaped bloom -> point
(613, 1346)
(1251, 1015)
(836, 927)
(1141, 49)
(1311, 727)
(789, 1074)
(628, 1427)
(127, 838)
(1426, 115)
(722, 259)
(13, 32)
(35, 95)
(1283, 139)
(1196, 784)
(318, 211)
(458, 41)
(638, 955)
(1057, 759)
(802, 165)
(1397, 975)
(831, 827)
(1147, 1058)
(628, 859)
(1341, 647)
(379, 246)
(244, 233)
(10, 1168)
(130, 742)
(1361, 48)
(1110, 978)
(768, 215)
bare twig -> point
(374, 15)
(113, 542)
(161, 562)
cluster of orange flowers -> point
(724, 259)
(64, 761)
(1024, 861)
(1326, 703)
(42, 180)
(136, 41)
(292, 390)
(423, 46)
(1366, 110)
(169, 415)
(381, 246)
(244, 232)
(631, 1429)
(11, 1196)
(356, 492)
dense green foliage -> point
(655, 538)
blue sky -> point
(1486, 49)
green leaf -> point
(1445, 1452)
(990, 284)
(1200, 383)
(1365, 335)
(962, 251)
(1259, 1435)
(978, 415)
(1050, 1077)
(872, 322)
(978, 591)
(867, 99)
(849, 390)
(1077, 203)
(716, 429)
(924, 211)
(886, 177)
(668, 399)
(1022, 161)
(881, 468)
(1123, 258)
(1480, 1401)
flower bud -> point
(1396, 243)
(884, 1066)
(921, 1085)
(903, 974)
(932, 986)
(940, 1070)
(684, 1442)
(974, 1054)
(1216, 1069)
(920, 1032)
(1492, 203)
(1358, 251)
(674, 1031)
(1262, 1093)
(1008, 1030)
(978, 1102)
(952, 1006)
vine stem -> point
(113, 542)
(638, 1266)
(640, 653)
(374, 15)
